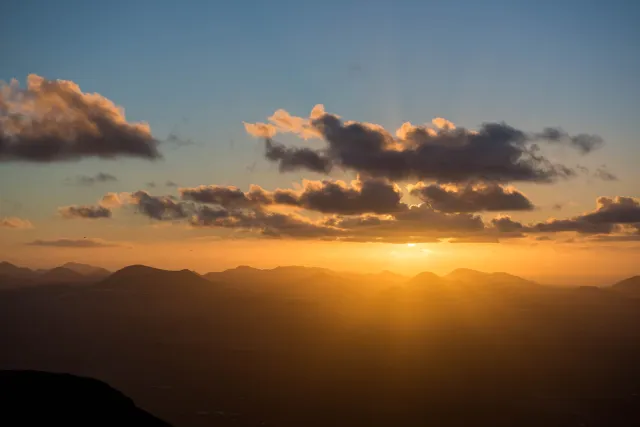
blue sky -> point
(201, 68)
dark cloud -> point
(497, 152)
(609, 215)
(219, 195)
(162, 208)
(229, 207)
(506, 225)
(582, 142)
(85, 212)
(71, 243)
(53, 120)
(100, 177)
(362, 196)
(170, 183)
(619, 209)
(291, 159)
(151, 184)
(367, 196)
(268, 224)
(417, 224)
(472, 198)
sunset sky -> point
(358, 135)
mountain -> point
(87, 270)
(468, 276)
(248, 275)
(43, 398)
(425, 278)
(143, 276)
(61, 275)
(9, 270)
(630, 286)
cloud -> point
(15, 223)
(53, 120)
(372, 195)
(71, 243)
(582, 142)
(442, 152)
(619, 209)
(170, 183)
(363, 196)
(85, 212)
(220, 195)
(268, 224)
(505, 224)
(605, 175)
(261, 130)
(151, 184)
(112, 200)
(609, 215)
(291, 159)
(100, 177)
(283, 122)
(417, 224)
(162, 208)
(472, 198)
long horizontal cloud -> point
(53, 120)
(472, 198)
(15, 222)
(358, 213)
(73, 243)
(610, 214)
(362, 196)
(496, 152)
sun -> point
(411, 245)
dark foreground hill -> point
(31, 398)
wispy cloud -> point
(15, 223)
(74, 243)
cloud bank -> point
(496, 152)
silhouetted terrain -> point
(298, 346)
(31, 398)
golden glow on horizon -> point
(547, 262)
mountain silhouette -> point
(630, 286)
(87, 270)
(426, 278)
(9, 270)
(30, 398)
(468, 276)
(61, 275)
(143, 276)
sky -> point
(541, 101)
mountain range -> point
(73, 273)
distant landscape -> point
(298, 346)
